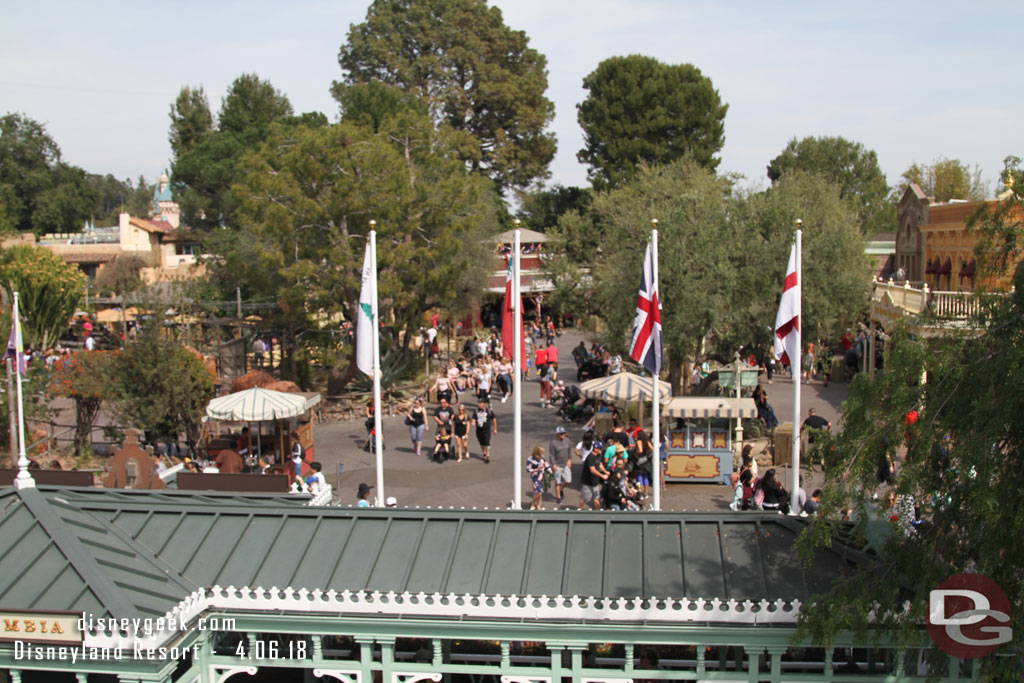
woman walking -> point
(460, 424)
(417, 421)
(536, 465)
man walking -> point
(558, 452)
(486, 424)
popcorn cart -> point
(698, 436)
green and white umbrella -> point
(258, 405)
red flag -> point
(787, 322)
(508, 343)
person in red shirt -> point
(540, 358)
(552, 357)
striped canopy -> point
(709, 406)
(624, 386)
(256, 404)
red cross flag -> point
(787, 322)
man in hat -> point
(363, 496)
(558, 451)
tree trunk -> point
(86, 410)
(675, 366)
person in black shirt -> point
(594, 474)
(815, 422)
(486, 424)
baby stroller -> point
(591, 368)
(571, 409)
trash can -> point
(783, 444)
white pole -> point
(655, 409)
(517, 381)
(796, 369)
(378, 410)
(24, 479)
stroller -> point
(591, 368)
(571, 410)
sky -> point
(913, 81)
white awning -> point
(709, 406)
(257, 404)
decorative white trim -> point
(465, 606)
(343, 675)
(219, 674)
(526, 679)
(405, 677)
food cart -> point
(698, 437)
(278, 409)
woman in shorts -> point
(460, 424)
(417, 421)
(536, 465)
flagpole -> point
(795, 368)
(23, 480)
(378, 436)
(655, 398)
(517, 381)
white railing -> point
(958, 305)
(911, 300)
(172, 472)
(321, 497)
(914, 301)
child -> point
(443, 444)
(315, 481)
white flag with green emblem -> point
(367, 306)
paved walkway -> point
(416, 481)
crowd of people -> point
(615, 473)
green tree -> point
(191, 120)
(163, 387)
(696, 243)
(369, 104)
(477, 74)
(251, 105)
(49, 290)
(836, 272)
(541, 209)
(308, 197)
(140, 198)
(853, 169)
(959, 462)
(112, 197)
(723, 257)
(639, 110)
(44, 194)
(945, 179)
(204, 172)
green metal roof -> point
(139, 553)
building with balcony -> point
(934, 246)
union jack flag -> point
(646, 346)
